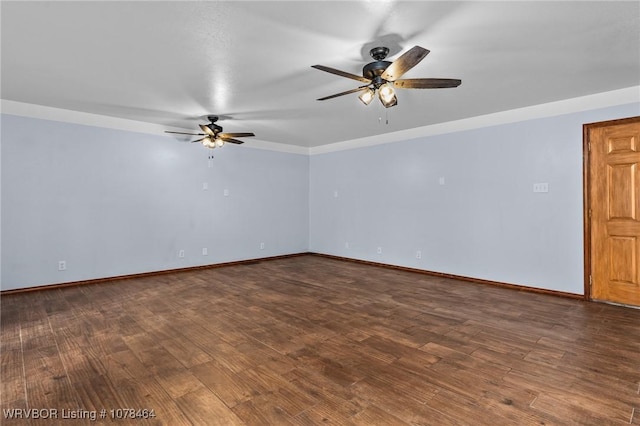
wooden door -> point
(614, 209)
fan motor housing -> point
(374, 69)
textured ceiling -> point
(171, 63)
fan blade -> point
(341, 73)
(182, 133)
(230, 140)
(404, 63)
(207, 130)
(234, 135)
(344, 93)
(427, 83)
(200, 140)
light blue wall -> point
(112, 202)
(484, 222)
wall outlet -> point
(419, 254)
(225, 192)
(261, 246)
(335, 194)
(205, 186)
(346, 245)
(181, 253)
(205, 251)
(62, 265)
(441, 180)
(379, 250)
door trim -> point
(586, 190)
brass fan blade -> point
(182, 133)
(234, 135)
(207, 130)
(341, 73)
(344, 93)
(404, 63)
(200, 140)
(230, 140)
(427, 83)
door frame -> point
(586, 191)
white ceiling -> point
(171, 63)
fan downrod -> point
(212, 125)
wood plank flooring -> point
(309, 340)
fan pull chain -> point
(386, 117)
(386, 114)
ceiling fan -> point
(383, 76)
(213, 135)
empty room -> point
(368, 212)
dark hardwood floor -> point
(310, 340)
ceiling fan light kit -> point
(387, 95)
(383, 76)
(367, 95)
